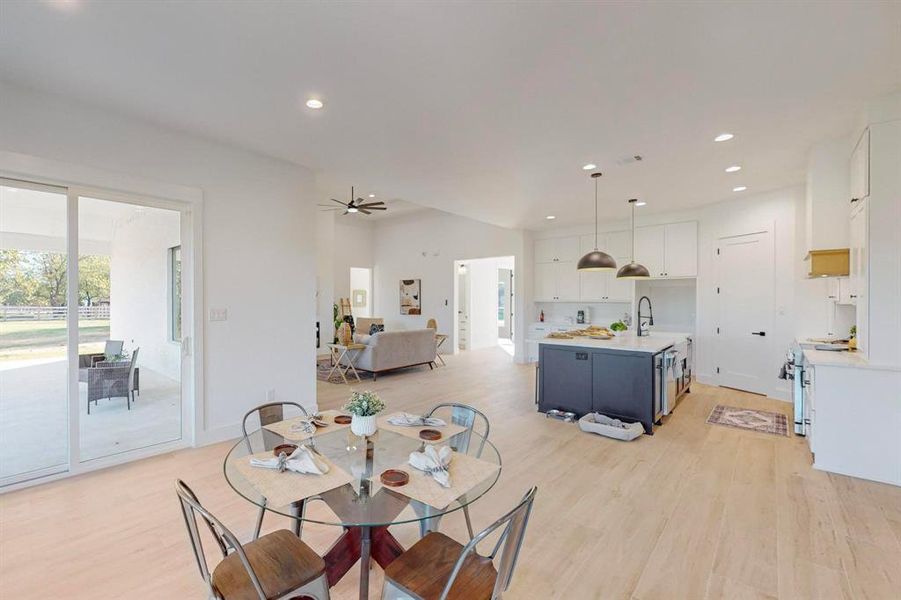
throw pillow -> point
(361, 338)
(375, 328)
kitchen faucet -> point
(643, 325)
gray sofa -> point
(389, 350)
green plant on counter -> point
(618, 326)
(853, 332)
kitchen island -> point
(627, 377)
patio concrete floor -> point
(34, 417)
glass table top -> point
(364, 501)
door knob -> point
(760, 333)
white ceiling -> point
(482, 109)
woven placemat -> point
(281, 489)
(283, 428)
(466, 472)
(447, 432)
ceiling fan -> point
(356, 205)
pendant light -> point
(596, 260)
(633, 270)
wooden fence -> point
(51, 313)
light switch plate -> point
(218, 314)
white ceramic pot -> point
(363, 426)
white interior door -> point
(746, 279)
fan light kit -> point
(356, 205)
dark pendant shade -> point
(633, 270)
(596, 261)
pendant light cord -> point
(595, 213)
(632, 257)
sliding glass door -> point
(92, 350)
(34, 372)
(129, 282)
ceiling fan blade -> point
(370, 207)
(344, 213)
(329, 209)
(379, 203)
(339, 202)
(364, 211)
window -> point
(175, 294)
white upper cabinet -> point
(860, 168)
(681, 249)
(565, 249)
(557, 281)
(649, 248)
(669, 250)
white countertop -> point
(629, 342)
(828, 358)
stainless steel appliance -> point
(664, 383)
(794, 370)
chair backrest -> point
(225, 539)
(112, 348)
(432, 324)
(269, 413)
(131, 369)
(509, 544)
(465, 416)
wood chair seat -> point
(424, 569)
(281, 561)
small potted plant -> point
(363, 407)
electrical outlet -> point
(270, 395)
(218, 314)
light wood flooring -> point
(695, 511)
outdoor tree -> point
(93, 279)
(17, 285)
(52, 278)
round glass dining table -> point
(360, 504)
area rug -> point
(324, 365)
(763, 421)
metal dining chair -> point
(465, 416)
(424, 572)
(269, 413)
(277, 565)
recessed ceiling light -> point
(733, 168)
(589, 167)
(739, 188)
(314, 103)
(372, 195)
(550, 217)
(640, 203)
(723, 137)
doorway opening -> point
(483, 303)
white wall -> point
(258, 239)
(424, 245)
(361, 280)
(139, 288)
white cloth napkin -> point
(405, 419)
(434, 461)
(302, 460)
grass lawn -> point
(24, 340)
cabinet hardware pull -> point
(853, 295)
(760, 333)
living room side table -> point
(339, 352)
(440, 338)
